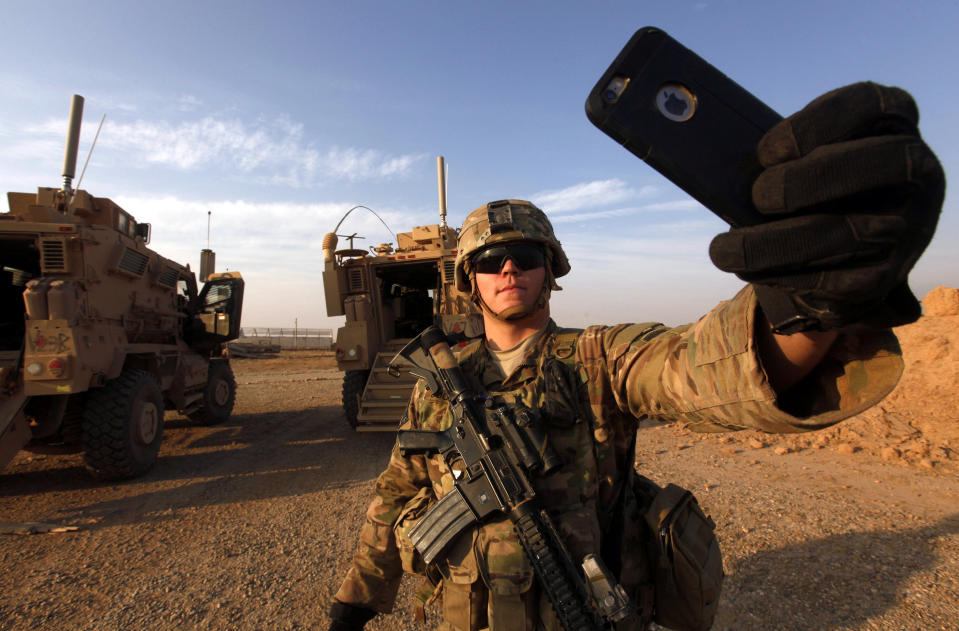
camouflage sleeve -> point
(709, 375)
(375, 574)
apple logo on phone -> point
(673, 105)
(676, 102)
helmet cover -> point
(507, 221)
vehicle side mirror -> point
(143, 231)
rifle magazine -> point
(441, 524)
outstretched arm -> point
(713, 375)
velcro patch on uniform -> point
(627, 336)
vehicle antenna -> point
(374, 214)
(441, 181)
(351, 237)
(207, 256)
(73, 141)
(90, 153)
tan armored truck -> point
(99, 334)
(388, 295)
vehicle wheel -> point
(354, 381)
(219, 395)
(123, 426)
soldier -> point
(859, 194)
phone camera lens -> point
(615, 89)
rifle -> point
(498, 448)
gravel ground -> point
(251, 524)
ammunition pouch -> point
(410, 558)
(685, 562)
(629, 549)
(411, 514)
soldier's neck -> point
(502, 335)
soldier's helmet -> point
(506, 220)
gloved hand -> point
(853, 196)
(344, 617)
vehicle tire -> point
(219, 395)
(123, 426)
(354, 381)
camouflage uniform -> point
(706, 375)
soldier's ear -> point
(474, 291)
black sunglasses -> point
(523, 255)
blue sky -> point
(278, 117)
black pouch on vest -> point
(687, 563)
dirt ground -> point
(251, 524)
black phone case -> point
(712, 155)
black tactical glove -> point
(345, 617)
(853, 196)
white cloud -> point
(260, 235)
(633, 272)
(590, 195)
(678, 205)
(269, 151)
(276, 246)
(355, 164)
(40, 150)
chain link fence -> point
(288, 338)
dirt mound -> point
(918, 423)
(941, 301)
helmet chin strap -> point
(516, 312)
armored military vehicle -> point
(388, 295)
(99, 334)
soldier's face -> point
(511, 286)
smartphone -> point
(687, 120)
